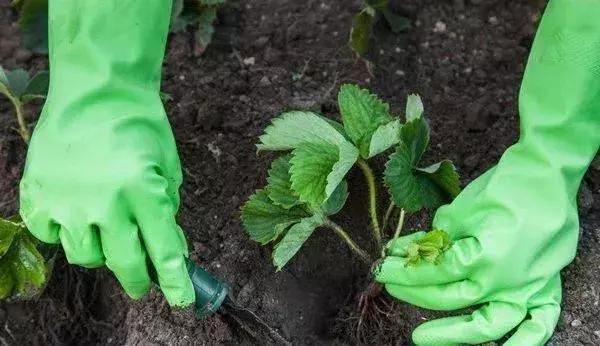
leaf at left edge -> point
(8, 231)
(28, 267)
(293, 240)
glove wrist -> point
(96, 56)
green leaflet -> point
(385, 137)
(24, 271)
(264, 221)
(413, 188)
(362, 28)
(337, 200)
(293, 240)
(292, 129)
(444, 175)
(414, 107)
(362, 114)
(8, 230)
(428, 248)
(318, 168)
(15, 81)
(280, 186)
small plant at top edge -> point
(25, 263)
(199, 13)
(33, 20)
(364, 21)
(20, 90)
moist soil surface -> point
(464, 57)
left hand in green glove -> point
(516, 227)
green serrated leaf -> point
(444, 175)
(409, 188)
(37, 87)
(293, 240)
(362, 113)
(34, 25)
(318, 168)
(8, 230)
(7, 282)
(428, 248)
(362, 28)
(27, 267)
(177, 24)
(414, 107)
(292, 129)
(280, 186)
(264, 221)
(337, 200)
(415, 136)
(385, 137)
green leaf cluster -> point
(199, 13)
(428, 248)
(364, 21)
(276, 214)
(307, 184)
(25, 266)
(17, 85)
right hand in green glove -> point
(516, 227)
(102, 172)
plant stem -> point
(368, 173)
(23, 130)
(388, 213)
(351, 244)
(396, 233)
(400, 225)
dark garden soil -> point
(465, 58)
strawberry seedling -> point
(199, 13)
(20, 90)
(25, 263)
(307, 184)
(364, 21)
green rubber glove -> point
(102, 172)
(516, 226)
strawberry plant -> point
(20, 89)
(364, 21)
(25, 263)
(307, 185)
(199, 13)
